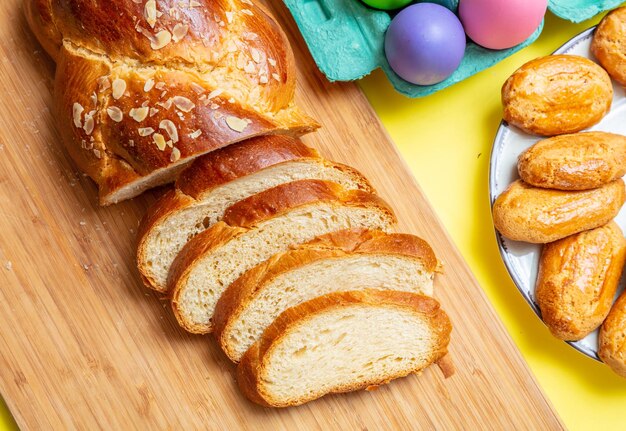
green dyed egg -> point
(387, 4)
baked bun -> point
(609, 44)
(143, 88)
(557, 94)
(532, 214)
(578, 278)
(574, 162)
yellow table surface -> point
(446, 139)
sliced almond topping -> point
(179, 32)
(150, 12)
(197, 88)
(249, 67)
(247, 12)
(231, 100)
(119, 88)
(256, 56)
(161, 39)
(170, 128)
(236, 124)
(160, 85)
(159, 140)
(115, 113)
(215, 106)
(276, 76)
(139, 114)
(77, 111)
(94, 98)
(175, 156)
(153, 112)
(183, 103)
(229, 16)
(247, 2)
(131, 143)
(215, 93)
(149, 85)
(263, 79)
(250, 36)
(195, 134)
(89, 122)
(231, 46)
(144, 104)
(271, 61)
(194, 3)
(241, 60)
(103, 83)
(165, 105)
(97, 153)
(145, 131)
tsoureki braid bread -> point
(145, 86)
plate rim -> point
(503, 128)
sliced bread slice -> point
(216, 181)
(343, 342)
(348, 260)
(255, 229)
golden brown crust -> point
(270, 203)
(532, 214)
(578, 278)
(251, 367)
(238, 160)
(609, 44)
(557, 94)
(334, 245)
(133, 114)
(612, 341)
(574, 162)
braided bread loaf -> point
(145, 86)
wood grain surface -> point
(84, 346)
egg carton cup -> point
(346, 39)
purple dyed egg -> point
(425, 43)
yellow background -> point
(446, 140)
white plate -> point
(522, 259)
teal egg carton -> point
(346, 39)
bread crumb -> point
(82, 223)
(8, 265)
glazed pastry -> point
(557, 94)
(574, 162)
(609, 44)
(612, 342)
(578, 278)
(536, 215)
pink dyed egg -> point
(501, 24)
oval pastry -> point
(536, 215)
(612, 341)
(609, 44)
(574, 162)
(557, 94)
(578, 278)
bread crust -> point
(557, 94)
(532, 214)
(218, 168)
(612, 340)
(252, 366)
(609, 44)
(335, 245)
(578, 278)
(245, 214)
(276, 201)
(199, 100)
(580, 161)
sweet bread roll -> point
(578, 278)
(144, 87)
(609, 42)
(532, 214)
(557, 94)
(574, 162)
(612, 342)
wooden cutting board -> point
(84, 345)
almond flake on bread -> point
(348, 260)
(218, 180)
(255, 229)
(341, 342)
